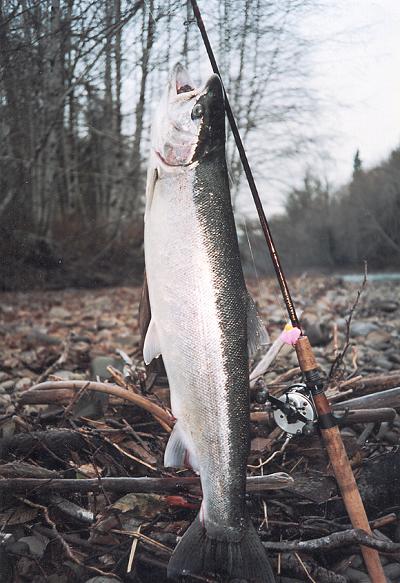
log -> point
(59, 442)
(144, 485)
(333, 541)
(344, 417)
(377, 382)
(381, 399)
(378, 482)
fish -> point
(203, 323)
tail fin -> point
(230, 554)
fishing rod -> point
(327, 423)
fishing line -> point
(252, 256)
(250, 178)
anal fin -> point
(178, 452)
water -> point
(358, 277)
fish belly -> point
(199, 311)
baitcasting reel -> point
(294, 411)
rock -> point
(59, 313)
(99, 366)
(104, 334)
(37, 544)
(28, 357)
(23, 384)
(8, 386)
(3, 376)
(36, 337)
(319, 333)
(127, 340)
(106, 323)
(383, 363)
(388, 306)
(393, 571)
(378, 339)
(5, 401)
(362, 328)
(79, 338)
(341, 323)
(394, 357)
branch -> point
(255, 484)
(335, 540)
(163, 417)
(339, 359)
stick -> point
(333, 541)
(145, 485)
(162, 416)
(389, 398)
(344, 416)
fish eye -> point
(197, 111)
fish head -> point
(189, 122)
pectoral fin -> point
(151, 347)
(257, 334)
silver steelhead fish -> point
(201, 313)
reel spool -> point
(294, 411)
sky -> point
(355, 69)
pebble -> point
(28, 357)
(319, 333)
(356, 576)
(384, 363)
(378, 339)
(99, 366)
(392, 571)
(23, 384)
(8, 386)
(362, 328)
(106, 323)
(59, 313)
(394, 357)
(38, 337)
(5, 401)
(388, 306)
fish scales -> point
(197, 289)
(199, 306)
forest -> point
(79, 82)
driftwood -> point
(378, 481)
(335, 540)
(344, 417)
(144, 485)
(58, 442)
(161, 415)
(373, 383)
(384, 398)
